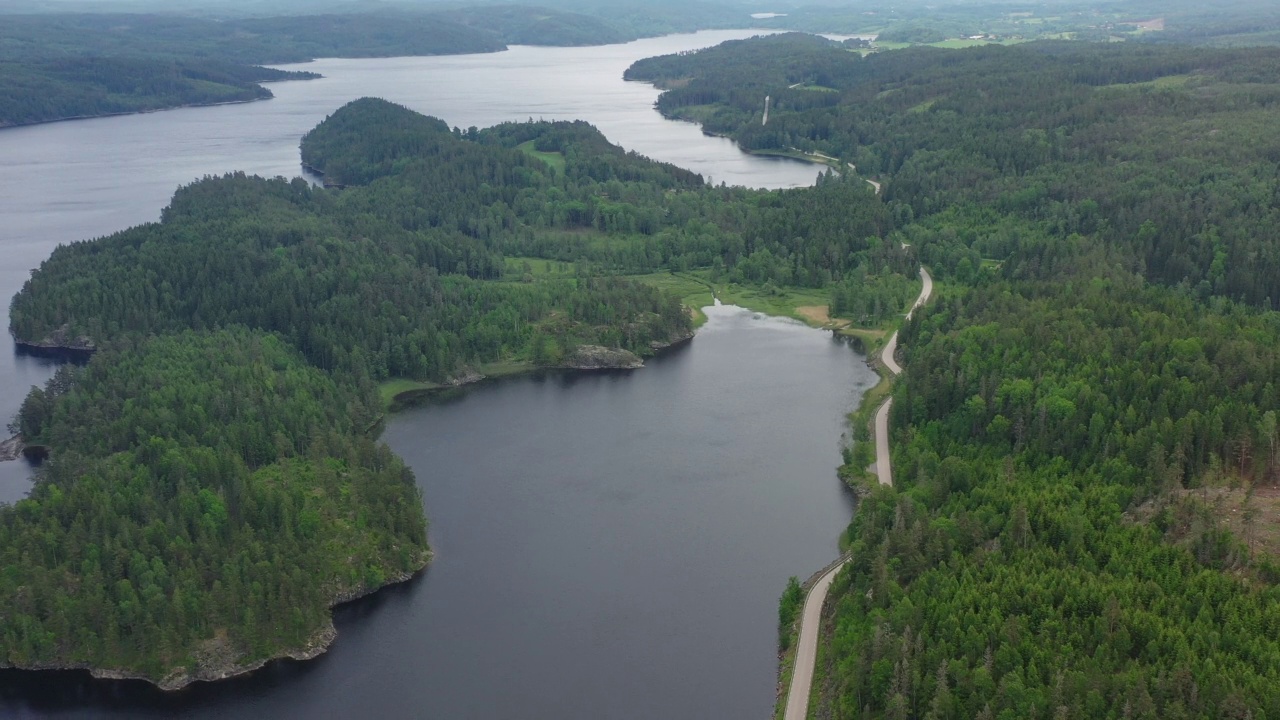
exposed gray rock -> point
(466, 377)
(11, 449)
(595, 357)
(62, 339)
(672, 341)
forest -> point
(1098, 373)
(75, 87)
(64, 65)
(213, 476)
(210, 496)
(1100, 362)
(401, 272)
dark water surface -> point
(608, 545)
(70, 181)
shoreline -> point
(788, 153)
(793, 705)
(55, 349)
(409, 397)
(165, 108)
(318, 644)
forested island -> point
(214, 483)
(1085, 436)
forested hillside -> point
(395, 275)
(210, 496)
(74, 87)
(211, 491)
(1103, 362)
(64, 65)
(203, 503)
(1163, 154)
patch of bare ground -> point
(820, 315)
(1251, 515)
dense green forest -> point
(210, 496)
(1162, 154)
(207, 465)
(1103, 357)
(401, 273)
(63, 65)
(73, 87)
(60, 66)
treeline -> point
(210, 456)
(1005, 574)
(66, 65)
(210, 496)
(1101, 141)
(383, 278)
(1106, 349)
(59, 66)
(521, 25)
(79, 87)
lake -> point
(608, 544)
(70, 181)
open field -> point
(554, 160)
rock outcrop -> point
(61, 339)
(595, 357)
(11, 449)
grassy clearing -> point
(554, 160)
(695, 113)
(872, 339)
(951, 44)
(783, 302)
(395, 387)
(396, 391)
(1168, 82)
(693, 292)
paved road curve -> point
(807, 648)
(810, 619)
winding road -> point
(875, 185)
(811, 617)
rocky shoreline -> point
(216, 661)
(597, 357)
(11, 449)
(146, 111)
(59, 340)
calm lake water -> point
(608, 545)
(70, 181)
